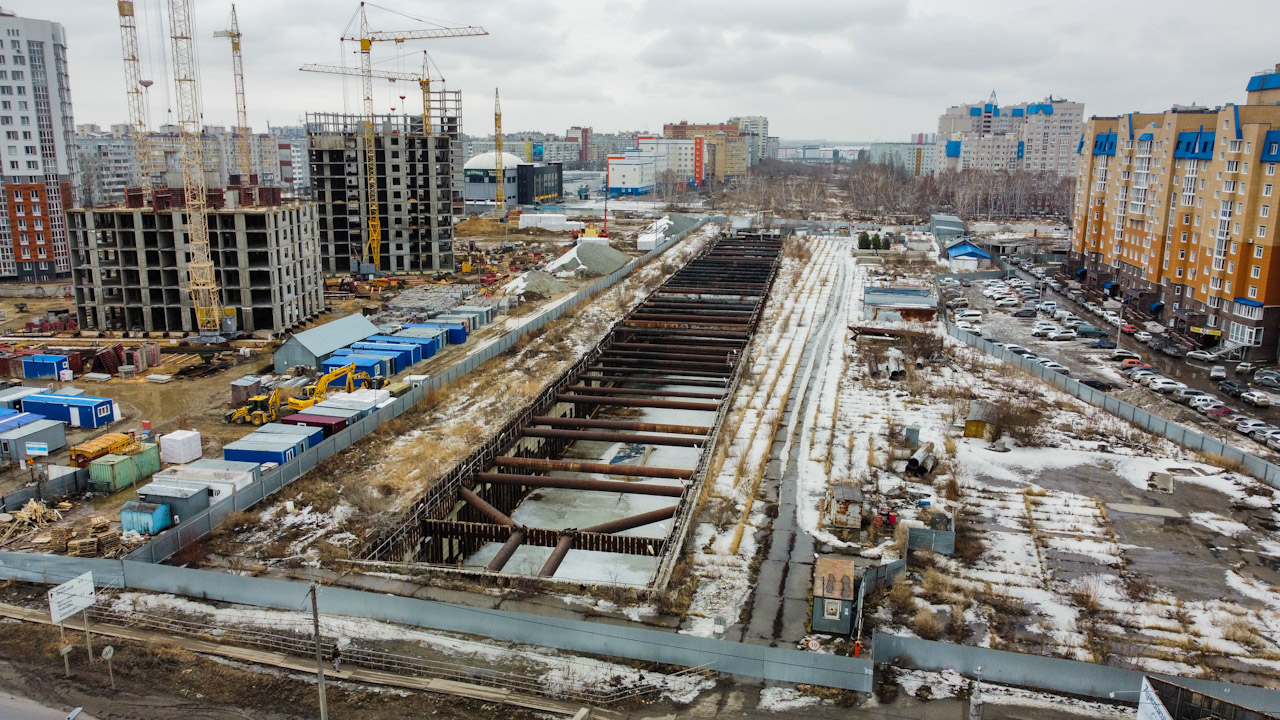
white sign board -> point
(71, 597)
(1149, 705)
(37, 449)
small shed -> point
(833, 594)
(45, 366)
(428, 345)
(13, 443)
(946, 227)
(144, 518)
(83, 411)
(965, 256)
(981, 421)
(184, 502)
(899, 303)
(312, 347)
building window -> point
(1262, 231)
(1271, 167)
(1248, 312)
(1264, 211)
(1255, 271)
(1253, 291)
(1257, 252)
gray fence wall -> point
(939, 541)
(1052, 674)
(165, 545)
(72, 482)
(579, 636)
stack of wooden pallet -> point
(60, 537)
(108, 540)
(84, 547)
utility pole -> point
(315, 625)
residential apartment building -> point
(916, 156)
(729, 149)
(292, 161)
(688, 160)
(419, 188)
(105, 160)
(755, 128)
(581, 136)
(37, 157)
(1175, 215)
(1038, 137)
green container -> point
(147, 462)
(111, 473)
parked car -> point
(1025, 312)
(1246, 367)
(1226, 416)
(1067, 334)
(1202, 355)
(1133, 362)
(1051, 365)
(1172, 350)
(1128, 328)
(1123, 354)
(1267, 381)
(1101, 343)
(1273, 441)
(965, 282)
(1044, 331)
(1102, 385)
(970, 315)
(1232, 387)
(1205, 402)
(968, 327)
(1256, 398)
(1048, 306)
(1017, 350)
(1246, 426)
(1087, 330)
(1142, 336)
(1217, 372)
(1008, 302)
(1186, 395)
(1264, 434)
(1165, 386)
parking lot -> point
(1084, 363)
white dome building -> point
(488, 161)
(480, 178)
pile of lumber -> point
(33, 516)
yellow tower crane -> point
(500, 193)
(244, 162)
(201, 279)
(367, 37)
(134, 85)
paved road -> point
(13, 707)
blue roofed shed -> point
(899, 303)
(312, 347)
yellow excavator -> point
(313, 394)
(261, 410)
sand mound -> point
(535, 283)
(588, 259)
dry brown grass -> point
(1086, 595)
(901, 600)
(927, 625)
(1242, 631)
(1222, 462)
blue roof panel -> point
(1270, 81)
(1247, 301)
(973, 111)
(1271, 147)
(1104, 144)
(953, 148)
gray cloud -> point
(841, 69)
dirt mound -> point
(535, 284)
(588, 259)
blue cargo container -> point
(184, 501)
(83, 411)
(15, 421)
(144, 518)
(457, 332)
(261, 450)
(45, 366)
(392, 359)
(373, 366)
(313, 435)
(428, 346)
(411, 353)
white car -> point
(1218, 372)
(969, 315)
(1142, 336)
(1256, 398)
(1205, 404)
(1202, 355)
(1164, 385)
(968, 327)
(1062, 335)
(1008, 302)
(1048, 364)
(1044, 332)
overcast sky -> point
(837, 69)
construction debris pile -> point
(535, 284)
(426, 302)
(33, 516)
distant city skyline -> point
(876, 70)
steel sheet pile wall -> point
(680, 349)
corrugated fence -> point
(580, 636)
(197, 526)
(66, 484)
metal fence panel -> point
(1048, 673)
(939, 541)
(67, 484)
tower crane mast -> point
(202, 280)
(500, 193)
(133, 85)
(244, 162)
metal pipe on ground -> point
(652, 383)
(557, 556)
(637, 402)
(621, 437)
(489, 511)
(573, 422)
(922, 461)
(673, 373)
(546, 465)
(554, 481)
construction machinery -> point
(201, 278)
(134, 85)
(347, 375)
(373, 244)
(261, 410)
(243, 155)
